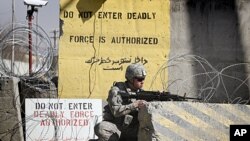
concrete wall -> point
(210, 49)
(10, 113)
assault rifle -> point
(154, 96)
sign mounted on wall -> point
(61, 119)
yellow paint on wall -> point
(101, 38)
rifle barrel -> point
(155, 96)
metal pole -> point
(13, 38)
(54, 40)
(30, 17)
(30, 45)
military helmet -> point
(135, 70)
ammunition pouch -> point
(127, 120)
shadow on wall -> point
(62, 8)
(88, 8)
(215, 36)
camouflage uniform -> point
(120, 115)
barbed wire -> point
(195, 76)
(14, 51)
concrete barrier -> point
(172, 121)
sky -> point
(47, 16)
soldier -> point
(120, 115)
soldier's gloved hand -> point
(140, 103)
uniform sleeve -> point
(115, 103)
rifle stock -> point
(154, 96)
